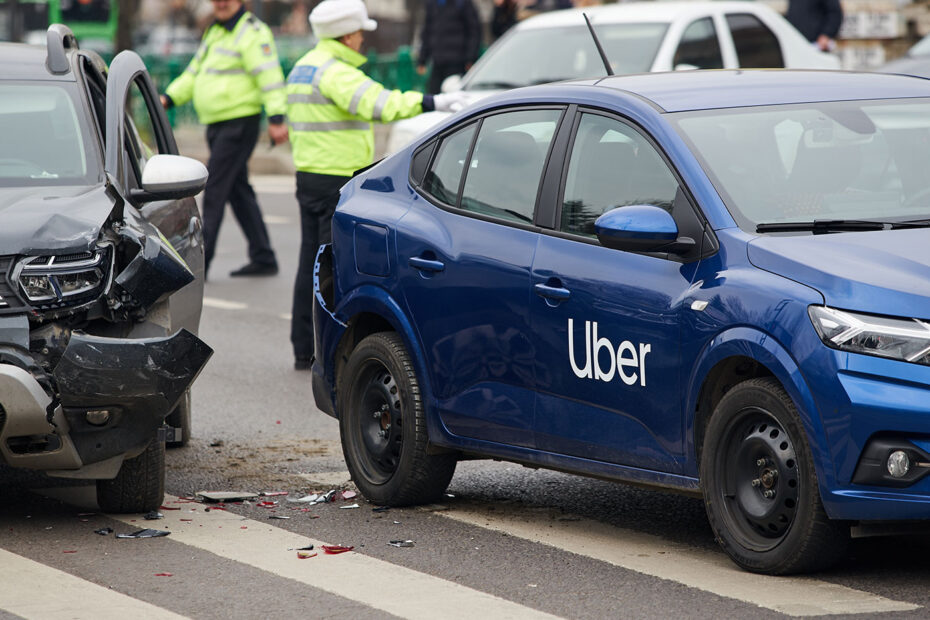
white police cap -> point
(332, 19)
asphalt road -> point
(508, 542)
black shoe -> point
(303, 363)
(255, 269)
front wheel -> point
(140, 484)
(760, 486)
(383, 426)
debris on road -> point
(164, 574)
(154, 515)
(401, 543)
(303, 555)
(334, 549)
(278, 517)
(226, 496)
(146, 533)
(349, 506)
(272, 493)
(104, 531)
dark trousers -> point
(231, 144)
(317, 195)
(442, 70)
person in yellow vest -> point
(331, 104)
(234, 73)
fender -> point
(765, 349)
(368, 298)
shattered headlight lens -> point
(59, 278)
(896, 338)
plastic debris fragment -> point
(152, 516)
(380, 508)
(266, 504)
(278, 517)
(401, 543)
(226, 496)
(272, 493)
(146, 533)
(334, 549)
(104, 531)
(348, 494)
(349, 506)
(303, 555)
(164, 574)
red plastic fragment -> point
(164, 574)
(303, 555)
(70, 551)
(333, 549)
(169, 508)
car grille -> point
(8, 298)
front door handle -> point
(425, 264)
(552, 292)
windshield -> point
(43, 142)
(836, 161)
(536, 56)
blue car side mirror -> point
(641, 228)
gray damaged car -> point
(101, 272)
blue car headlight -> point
(897, 338)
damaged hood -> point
(50, 219)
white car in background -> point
(637, 37)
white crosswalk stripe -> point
(64, 596)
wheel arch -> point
(745, 353)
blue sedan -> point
(712, 282)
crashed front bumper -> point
(113, 395)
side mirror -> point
(641, 228)
(451, 84)
(167, 177)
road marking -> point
(63, 595)
(223, 304)
(708, 571)
(276, 219)
(412, 594)
(274, 183)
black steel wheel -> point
(760, 486)
(383, 426)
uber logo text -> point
(626, 356)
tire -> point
(140, 484)
(760, 485)
(383, 427)
(180, 418)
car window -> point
(445, 175)
(612, 165)
(141, 137)
(756, 46)
(506, 166)
(699, 46)
(45, 137)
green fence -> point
(396, 70)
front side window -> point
(612, 165)
(45, 141)
(506, 166)
(756, 46)
(845, 160)
(699, 46)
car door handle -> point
(552, 292)
(425, 264)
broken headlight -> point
(59, 280)
(896, 338)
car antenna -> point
(600, 50)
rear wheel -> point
(383, 426)
(760, 486)
(140, 484)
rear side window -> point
(420, 162)
(506, 166)
(442, 180)
(756, 46)
(699, 46)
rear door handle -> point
(552, 292)
(425, 264)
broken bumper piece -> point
(113, 395)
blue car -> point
(711, 282)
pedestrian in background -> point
(503, 17)
(331, 106)
(450, 40)
(818, 20)
(234, 73)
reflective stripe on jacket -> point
(233, 74)
(330, 108)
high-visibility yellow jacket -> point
(233, 73)
(330, 106)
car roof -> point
(27, 62)
(703, 90)
(636, 12)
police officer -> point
(331, 106)
(234, 73)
